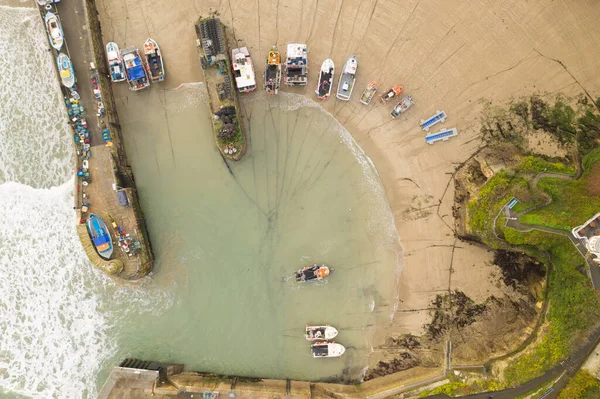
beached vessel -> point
(390, 94)
(134, 68)
(115, 62)
(65, 70)
(296, 65)
(314, 333)
(327, 349)
(228, 130)
(243, 70)
(273, 71)
(154, 60)
(314, 272)
(402, 106)
(55, 32)
(100, 236)
(348, 78)
(325, 79)
(369, 92)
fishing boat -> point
(100, 236)
(65, 69)
(115, 62)
(347, 79)
(273, 71)
(369, 92)
(390, 94)
(314, 272)
(243, 71)
(314, 333)
(325, 79)
(137, 78)
(55, 32)
(327, 349)
(296, 65)
(402, 106)
(154, 60)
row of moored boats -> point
(128, 64)
(296, 74)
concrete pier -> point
(108, 165)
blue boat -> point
(439, 117)
(100, 235)
(135, 69)
(65, 69)
(442, 135)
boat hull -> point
(273, 72)
(347, 79)
(115, 62)
(154, 61)
(243, 70)
(369, 93)
(54, 29)
(137, 75)
(65, 70)
(314, 333)
(327, 349)
(314, 272)
(100, 235)
(325, 82)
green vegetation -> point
(582, 386)
(574, 307)
(459, 388)
(537, 164)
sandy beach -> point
(448, 56)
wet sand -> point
(446, 55)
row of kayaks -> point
(128, 64)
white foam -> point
(35, 145)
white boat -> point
(243, 71)
(325, 79)
(65, 69)
(402, 106)
(327, 349)
(55, 32)
(115, 62)
(348, 78)
(314, 333)
(296, 65)
(154, 60)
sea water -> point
(228, 237)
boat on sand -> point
(115, 62)
(314, 333)
(348, 78)
(243, 71)
(273, 71)
(137, 78)
(55, 32)
(65, 70)
(402, 106)
(325, 80)
(314, 272)
(390, 94)
(154, 60)
(369, 92)
(100, 236)
(327, 349)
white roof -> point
(113, 55)
(296, 50)
(243, 63)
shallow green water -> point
(229, 236)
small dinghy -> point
(154, 60)
(314, 272)
(325, 80)
(390, 94)
(327, 349)
(65, 69)
(402, 106)
(55, 32)
(100, 235)
(314, 333)
(115, 62)
(369, 92)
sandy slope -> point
(447, 55)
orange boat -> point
(314, 272)
(273, 72)
(390, 94)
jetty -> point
(104, 182)
(213, 50)
(442, 135)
